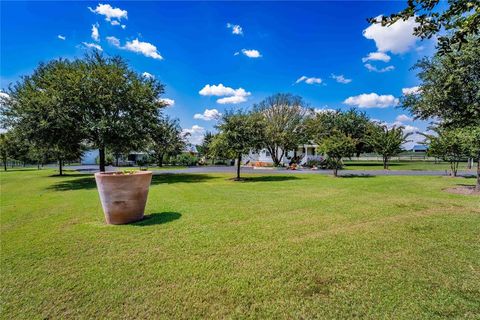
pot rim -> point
(121, 174)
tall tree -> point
(337, 146)
(44, 108)
(4, 149)
(239, 133)
(449, 145)
(119, 106)
(167, 139)
(460, 19)
(387, 142)
(205, 148)
(284, 122)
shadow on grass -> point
(356, 176)
(157, 218)
(180, 178)
(87, 181)
(272, 178)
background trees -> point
(337, 146)
(167, 139)
(386, 141)
(240, 132)
(283, 120)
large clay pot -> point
(123, 195)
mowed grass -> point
(294, 247)
(417, 165)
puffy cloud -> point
(251, 53)
(95, 33)
(231, 96)
(309, 80)
(236, 29)
(208, 114)
(410, 129)
(341, 79)
(145, 48)
(412, 90)
(374, 69)
(376, 56)
(61, 37)
(113, 41)
(396, 38)
(324, 110)
(92, 45)
(168, 102)
(148, 75)
(403, 118)
(371, 100)
(194, 134)
(112, 15)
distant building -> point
(420, 148)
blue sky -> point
(223, 55)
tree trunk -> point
(116, 161)
(335, 171)
(38, 165)
(238, 166)
(101, 155)
(5, 164)
(160, 160)
(385, 163)
(60, 166)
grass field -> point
(403, 165)
(296, 246)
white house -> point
(305, 152)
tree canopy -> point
(386, 141)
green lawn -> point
(403, 165)
(294, 247)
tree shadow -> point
(74, 182)
(180, 178)
(356, 176)
(271, 178)
(157, 218)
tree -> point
(218, 148)
(472, 145)
(460, 19)
(44, 108)
(167, 139)
(284, 116)
(118, 106)
(337, 146)
(205, 148)
(4, 149)
(239, 133)
(449, 145)
(387, 142)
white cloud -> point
(145, 48)
(112, 15)
(403, 118)
(208, 114)
(236, 53)
(236, 29)
(397, 38)
(376, 56)
(230, 95)
(251, 53)
(412, 90)
(61, 37)
(195, 134)
(92, 45)
(309, 80)
(341, 79)
(95, 33)
(371, 100)
(324, 110)
(410, 129)
(374, 69)
(168, 102)
(148, 75)
(113, 41)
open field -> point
(278, 246)
(403, 165)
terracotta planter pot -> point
(123, 196)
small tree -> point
(205, 148)
(239, 133)
(448, 145)
(337, 146)
(167, 139)
(4, 149)
(471, 137)
(284, 117)
(387, 142)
